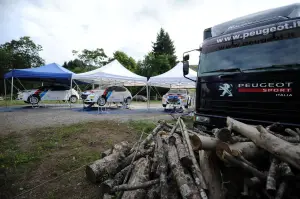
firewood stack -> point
(237, 161)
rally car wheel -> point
(73, 99)
(128, 100)
(101, 101)
(33, 99)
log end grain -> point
(90, 175)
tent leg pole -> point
(11, 90)
(71, 93)
(5, 92)
(147, 97)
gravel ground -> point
(24, 118)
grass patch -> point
(32, 157)
(4, 103)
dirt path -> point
(18, 121)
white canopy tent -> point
(174, 78)
(113, 72)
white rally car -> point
(55, 92)
(110, 94)
(176, 98)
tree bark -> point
(286, 171)
(127, 187)
(107, 185)
(151, 136)
(140, 174)
(102, 169)
(153, 192)
(246, 149)
(106, 196)
(211, 173)
(281, 190)
(236, 139)
(183, 179)
(226, 156)
(170, 126)
(106, 153)
(162, 168)
(197, 172)
(183, 154)
(154, 163)
(271, 178)
(281, 149)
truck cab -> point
(249, 70)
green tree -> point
(78, 66)
(125, 60)
(96, 57)
(22, 53)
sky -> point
(61, 26)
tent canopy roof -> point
(174, 78)
(112, 72)
(49, 71)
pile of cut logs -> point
(237, 161)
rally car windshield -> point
(282, 52)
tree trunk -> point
(271, 178)
(246, 149)
(162, 168)
(151, 136)
(107, 185)
(153, 192)
(184, 181)
(211, 173)
(183, 154)
(106, 153)
(102, 169)
(140, 174)
(199, 176)
(127, 187)
(227, 157)
(200, 142)
(281, 149)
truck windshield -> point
(281, 52)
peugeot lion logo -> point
(226, 88)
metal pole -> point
(5, 92)
(71, 93)
(12, 89)
(147, 91)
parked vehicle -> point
(140, 98)
(177, 97)
(53, 92)
(249, 69)
(110, 94)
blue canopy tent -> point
(50, 72)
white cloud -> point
(61, 26)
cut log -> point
(173, 191)
(183, 179)
(281, 149)
(102, 169)
(198, 176)
(291, 139)
(224, 134)
(286, 171)
(291, 132)
(227, 157)
(151, 136)
(281, 190)
(162, 169)
(183, 154)
(211, 173)
(254, 181)
(271, 178)
(154, 163)
(153, 192)
(107, 196)
(198, 132)
(246, 149)
(106, 153)
(107, 185)
(127, 187)
(236, 139)
(140, 174)
(200, 142)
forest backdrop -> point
(25, 53)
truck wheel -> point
(33, 99)
(101, 101)
(73, 99)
